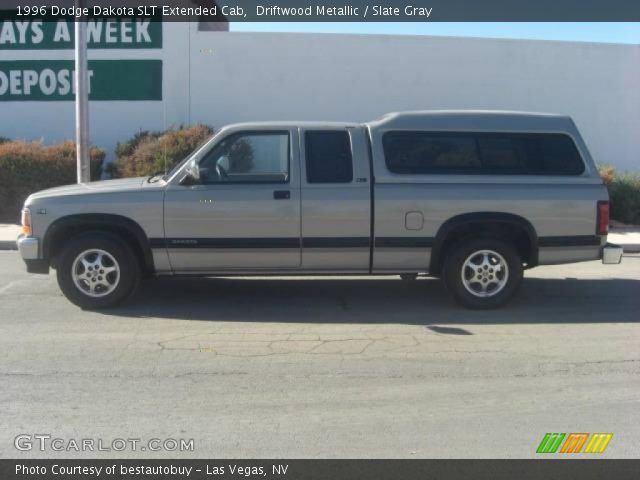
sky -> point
(583, 32)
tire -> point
(483, 273)
(87, 285)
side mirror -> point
(191, 174)
(223, 162)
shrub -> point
(607, 174)
(26, 167)
(624, 193)
(150, 153)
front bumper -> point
(28, 247)
(29, 251)
(611, 254)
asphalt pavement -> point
(324, 368)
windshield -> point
(193, 154)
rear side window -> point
(481, 153)
(423, 152)
(552, 155)
(328, 156)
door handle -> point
(282, 195)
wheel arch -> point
(504, 225)
(124, 227)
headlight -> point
(26, 222)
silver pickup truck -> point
(473, 197)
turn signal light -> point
(602, 222)
(26, 222)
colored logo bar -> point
(573, 442)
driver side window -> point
(252, 157)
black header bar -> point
(331, 10)
(319, 469)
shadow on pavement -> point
(367, 301)
(449, 330)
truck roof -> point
(293, 123)
(478, 120)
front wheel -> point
(97, 271)
(483, 273)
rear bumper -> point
(611, 254)
(29, 251)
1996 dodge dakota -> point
(473, 197)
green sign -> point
(52, 80)
(36, 34)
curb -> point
(631, 248)
(8, 245)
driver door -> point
(243, 213)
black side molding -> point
(569, 241)
(338, 242)
(293, 242)
(282, 242)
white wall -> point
(218, 78)
(110, 121)
(357, 77)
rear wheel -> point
(483, 273)
(97, 271)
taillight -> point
(602, 222)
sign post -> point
(82, 99)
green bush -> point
(26, 167)
(150, 153)
(624, 193)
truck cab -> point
(289, 197)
